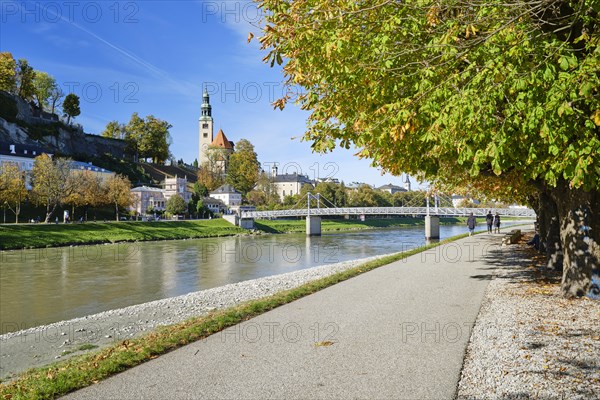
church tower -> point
(406, 183)
(205, 128)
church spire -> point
(206, 109)
(406, 182)
(205, 127)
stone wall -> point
(30, 113)
(69, 141)
(66, 143)
(74, 143)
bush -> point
(124, 167)
(38, 131)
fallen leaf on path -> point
(325, 343)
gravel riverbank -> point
(531, 343)
(44, 344)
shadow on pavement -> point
(518, 263)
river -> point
(42, 286)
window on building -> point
(205, 126)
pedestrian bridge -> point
(407, 211)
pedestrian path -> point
(399, 331)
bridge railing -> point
(412, 211)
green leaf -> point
(586, 89)
(564, 63)
(496, 167)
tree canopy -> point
(118, 193)
(114, 130)
(44, 86)
(51, 181)
(176, 205)
(8, 72)
(89, 191)
(506, 92)
(243, 167)
(21, 79)
(149, 136)
(13, 191)
(24, 80)
(436, 88)
(264, 193)
(71, 106)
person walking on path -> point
(489, 219)
(471, 223)
(497, 223)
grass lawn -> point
(20, 236)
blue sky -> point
(154, 57)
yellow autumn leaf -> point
(596, 117)
(323, 344)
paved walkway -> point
(399, 332)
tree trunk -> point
(16, 210)
(116, 212)
(542, 217)
(579, 214)
(49, 212)
(551, 239)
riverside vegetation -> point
(43, 235)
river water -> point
(42, 286)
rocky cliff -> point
(34, 127)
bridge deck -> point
(412, 211)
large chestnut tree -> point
(506, 90)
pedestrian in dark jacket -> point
(497, 223)
(489, 219)
(471, 223)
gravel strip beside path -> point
(531, 343)
(44, 344)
